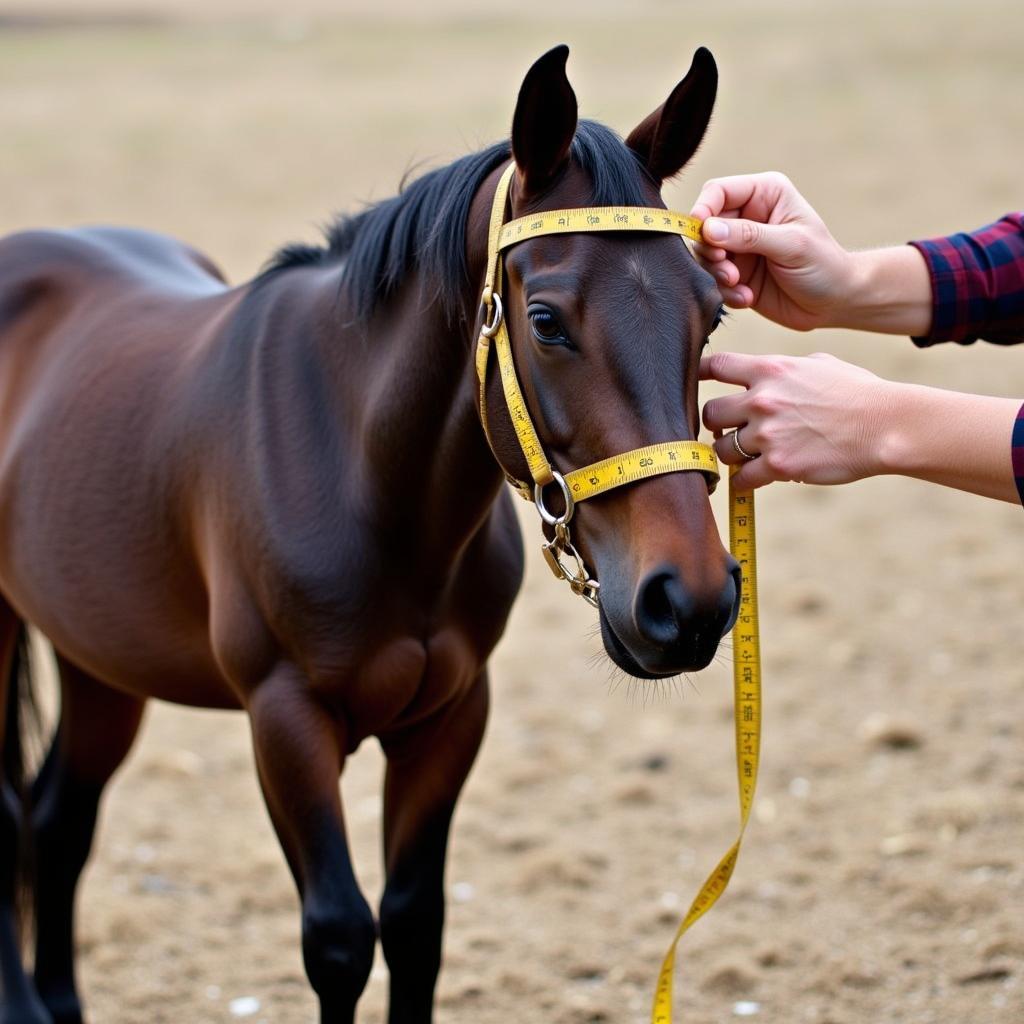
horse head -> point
(606, 332)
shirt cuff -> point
(948, 278)
(1017, 453)
(976, 281)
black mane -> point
(424, 225)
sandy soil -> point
(882, 877)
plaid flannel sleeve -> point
(977, 284)
(1017, 453)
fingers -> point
(782, 243)
(753, 474)
(712, 253)
(727, 452)
(736, 293)
(718, 265)
(732, 368)
(740, 297)
(727, 417)
(708, 254)
(722, 269)
(749, 213)
(728, 195)
(721, 414)
(710, 202)
(724, 194)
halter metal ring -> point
(490, 329)
(538, 500)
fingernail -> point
(716, 230)
(721, 276)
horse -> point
(279, 497)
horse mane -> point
(423, 227)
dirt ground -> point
(882, 878)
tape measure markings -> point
(600, 218)
(668, 457)
(747, 717)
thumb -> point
(781, 243)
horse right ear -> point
(667, 139)
(544, 123)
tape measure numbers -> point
(600, 218)
(669, 457)
(747, 702)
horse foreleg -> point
(299, 750)
(96, 731)
(422, 784)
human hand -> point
(812, 419)
(769, 250)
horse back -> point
(42, 265)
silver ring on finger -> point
(740, 450)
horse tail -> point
(22, 724)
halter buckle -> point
(576, 575)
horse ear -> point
(667, 139)
(544, 123)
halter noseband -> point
(580, 484)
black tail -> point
(22, 726)
(21, 704)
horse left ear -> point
(544, 123)
(667, 139)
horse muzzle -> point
(663, 629)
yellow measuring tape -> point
(746, 673)
(669, 457)
(600, 218)
(580, 484)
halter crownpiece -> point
(580, 484)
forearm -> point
(888, 291)
(949, 438)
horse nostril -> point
(731, 597)
(662, 606)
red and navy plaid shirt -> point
(978, 292)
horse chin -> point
(620, 655)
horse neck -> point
(415, 414)
(376, 417)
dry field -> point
(882, 879)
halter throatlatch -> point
(668, 457)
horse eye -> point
(547, 328)
(720, 315)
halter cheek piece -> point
(580, 484)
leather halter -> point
(584, 483)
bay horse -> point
(278, 497)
